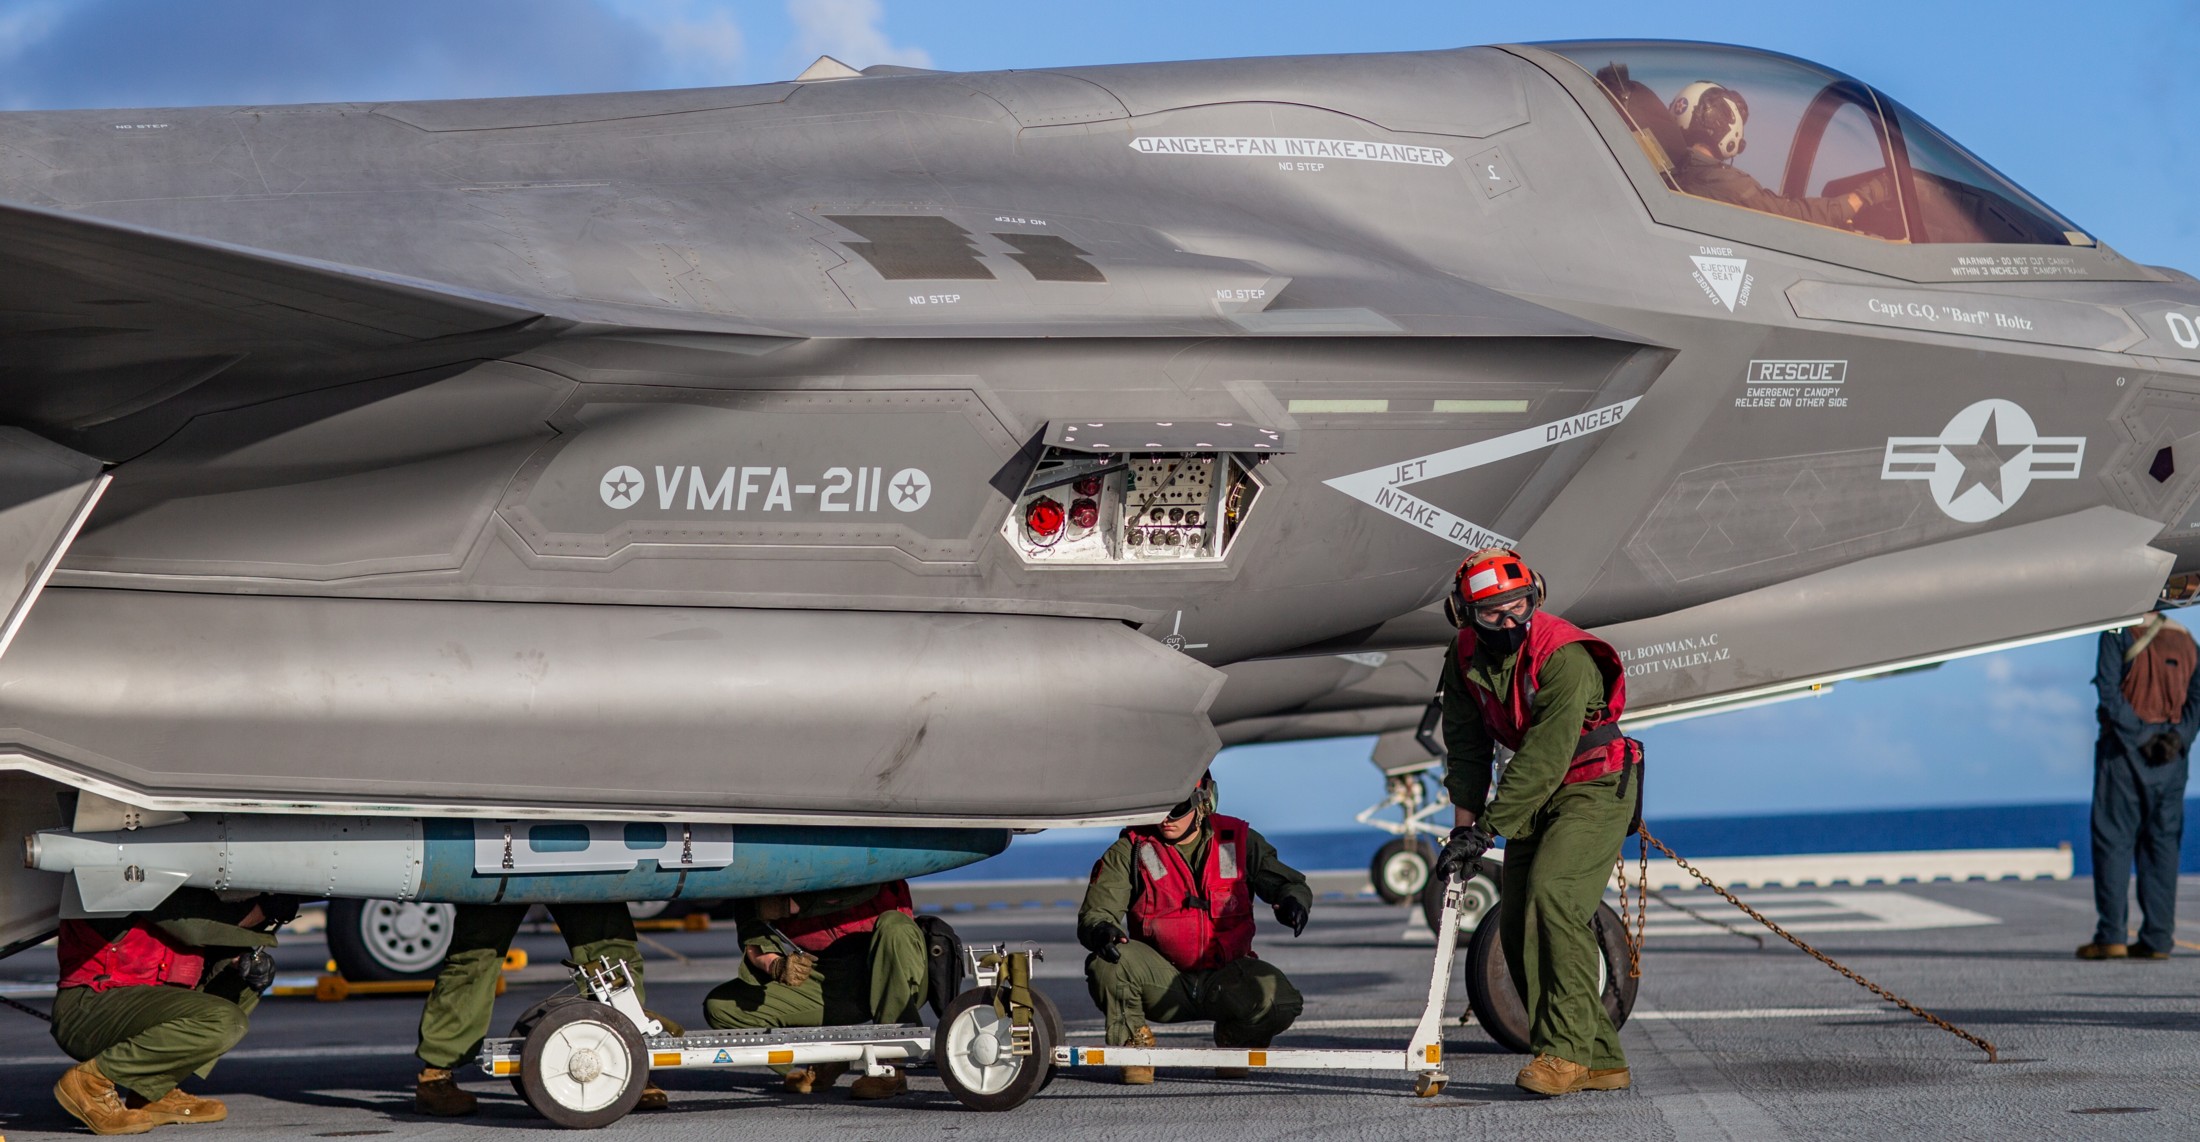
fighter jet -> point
(710, 492)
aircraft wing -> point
(106, 326)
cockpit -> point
(1779, 136)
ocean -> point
(1876, 830)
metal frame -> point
(1423, 1053)
(1409, 793)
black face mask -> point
(1503, 639)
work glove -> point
(1291, 914)
(1466, 845)
(1103, 940)
(794, 970)
(257, 968)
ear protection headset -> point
(1491, 575)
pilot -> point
(1551, 693)
(456, 1017)
(1186, 887)
(833, 958)
(149, 998)
(1712, 119)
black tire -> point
(944, 962)
(1051, 1015)
(526, 1023)
(1002, 1083)
(1497, 1006)
(613, 1052)
(1391, 872)
(373, 940)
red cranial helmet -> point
(1492, 577)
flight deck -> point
(1727, 1039)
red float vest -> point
(139, 957)
(813, 934)
(1194, 931)
(1602, 750)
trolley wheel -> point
(583, 1065)
(1476, 898)
(1428, 1085)
(1049, 1014)
(1497, 1005)
(1400, 868)
(525, 1024)
(375, 940)
(971, 1050)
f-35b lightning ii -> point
(761, 488)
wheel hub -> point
(985, 1050)
(585, 1065)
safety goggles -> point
(1496, 617)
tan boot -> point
(437, 1093)
(1551, 1076)
(2102, 951)
(91, 1096)
(812, 1079)
(1139, 1076)
(879, 1086)
(176, 1106)
(1610, 1078)
(653, 1098)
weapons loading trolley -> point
(581, 1060)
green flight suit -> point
(1560, 843)
(1249, 999)
(879, 976)
(149, 1038)
(456, 1017)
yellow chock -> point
(333, 988)
(514, 960)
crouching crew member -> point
(456, 1017)
(1187, 887)
(149, 998)
(1553, 694)
(826, 959)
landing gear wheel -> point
(1428, 1085)
(1497, 1006)
(1043, 1006)
(1476, 898)
(1400, 868)
(373, 940)
(971, 1050)
(583, 1065)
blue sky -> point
(2098, 117)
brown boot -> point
(653, 1098)
(1139, 1076)
(1551, 1076)
(1610, 1078)
(176, 1106)
(2099, 951)
(437, 1093)
(812, 1079)
(91, 1096)
(879, 1086)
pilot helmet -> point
(1712, 116)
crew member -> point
(456, 1017)
(148, 998)
(1551, 693)
(1712, 119)
(2149, 713)
(819, 959)
(1187, 887)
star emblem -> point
(909, 489)
(1984, 460)
(621, 487)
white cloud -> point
(701, 40)
(24, 25)
(848, 30)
